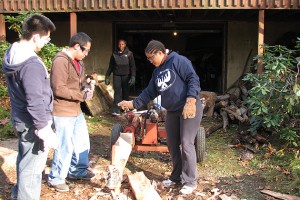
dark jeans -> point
(121, 89)
(183, 132)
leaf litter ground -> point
(221, 173)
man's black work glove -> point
(131, 81)
(107, 81)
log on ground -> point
(142, 188)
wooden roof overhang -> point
(14, 6)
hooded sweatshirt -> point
(174, 80)
(28, 85)
(67, 85)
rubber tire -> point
(200, 144)
(115, 134)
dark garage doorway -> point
(203, 43)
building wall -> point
(101, 34)
(243, 36)
(241, 41)
(276, 30)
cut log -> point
(221, 104)
(235, 93)
(108, 92)
(213, 128)
(238, 117)
(99, 103)
(209, 102)
(242, 110)
(239, 145)
(244, 89)
(260, 138)
(223, 97)
(280, 195)
(225, 119)
(142, 188)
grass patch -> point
(221, 160)
(273, 167)
(280, 170)
(98, 122)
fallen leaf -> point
(271, 149)
(4, 121)
(286, 172)
(278, 168)
(267, 187)
(200, 194)
(268, 155)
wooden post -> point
(2, 28)
(73, 23)
(261, 34)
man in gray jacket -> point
(31, 101)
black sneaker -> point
(88, 176)
(60, 187)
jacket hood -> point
(15, 57)
(171, 55)
(64, 55)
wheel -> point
(115, 134)
(200, 144)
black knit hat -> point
(154, 46)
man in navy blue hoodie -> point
(31, 101)
(175, 79)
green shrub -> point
(3, 47)
(295, 169)
(48, 52)
(274, 96)
(6, 130)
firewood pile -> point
(232, 110)
(230, 105)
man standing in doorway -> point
(122, 65)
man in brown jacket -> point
(71, 158)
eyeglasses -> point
(151, 57)
(84, 49)
(47, 40)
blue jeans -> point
(72, 154)
(30, 163)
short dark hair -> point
(122, 40)
(80, 38)
(36, 24)
(154, 46)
